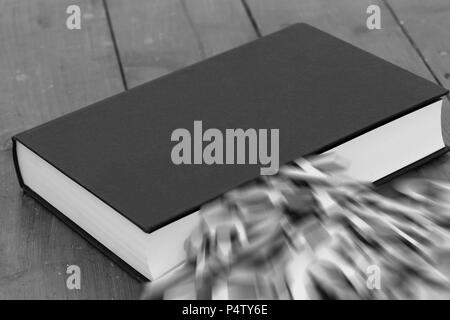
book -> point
(107, 170)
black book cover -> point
(318, 90)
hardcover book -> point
(106, 169)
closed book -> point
(107, 168)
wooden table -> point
(47, 70)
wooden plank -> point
(346, 19)
(428, 25)
(48, 70)
(158, 37)
(220, 25)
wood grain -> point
(428, 25)
(345, 19)
(48, 70)
(158, 37)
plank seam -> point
(116, 48)
(411, 41)
(191, 23)
(252, 19)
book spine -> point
(16, 162)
